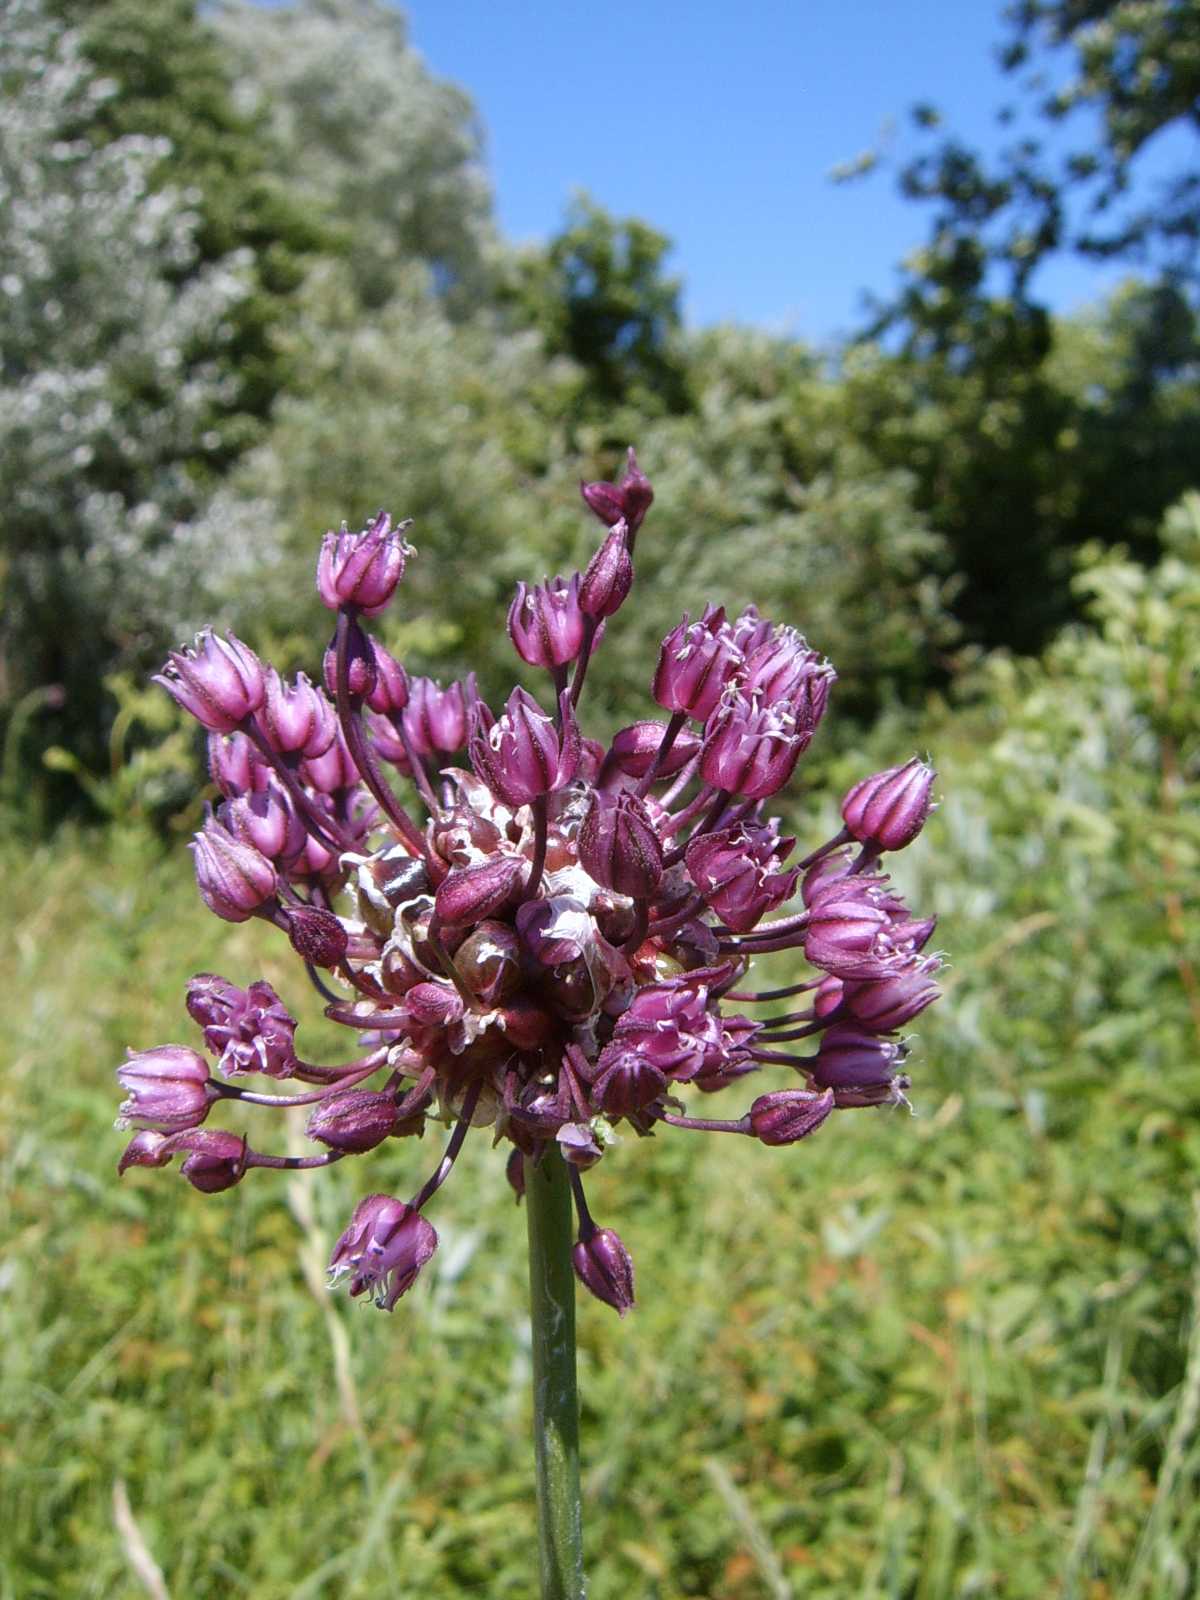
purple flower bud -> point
(626, 1081)
(751, 750)
(363, 569)
(630, 498)
(296, 718)
(362, 664)
(885, 1004)
(432, 1009)
(670, 1026)
(216, 1160)
(144, 1150)
(333, 772)
(849, 933)
(220, 681)
(354, 1121)
(782, 667)
(524, 755)
(235, 766)
(248, 1030)
(605, 1269)
(789, 1115)
(733, 870)
(316, 935)
(390, 692)
(619, 847)
(514, 1171)
(851, 1059)
(235, 879)
(383, 1249)
(888, 811)
(913, 935)
(489, 962)
(267, 821)
(436, 719)
(635, 747)
(828, 996)
(696, 661)
(545, 624)
(608, 578)
(468, 894)
(169, 1089)
(822, 873)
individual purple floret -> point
(548, 937)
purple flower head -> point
(546, 624)
(618, 845)
(248, 1030)
(696, 661)
(789, 1115)
(736, 872)
(888, 811)
(168, 1088)
(609, 577)
(235, 880)
(525, 755)
(296, 718)
(751, 750)
(220, 681)
(437, 720)
(635, 748)
(605, 1268)
(629, 499)
(354, 1121)
(383, 1249)
(363, 569)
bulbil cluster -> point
(549, 939)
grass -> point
(949, 1355)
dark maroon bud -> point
(354, 1121)
(525, 755)
(789, 1115)
(363, 569)
(235, 766)
(215, 1161)
(296, 718)
(431, 1009)
(886, 1004)
(626, 1081)
(398, 971)
(604, 1268)
(578, 1145)
(316, 935)
(888, 811)
(618, 846)
(851, 1058)
(489, 962)
(390, 692)
(609, 577)
(694, 945)
(169, 1089)
(546, 624)
(383, 1249)
(629, 498)
(514, 1171)
(361, 667)
(695, 662)
(635, 748)
(220, 681)
(235, 880)
(468, 894)
(145, 1149)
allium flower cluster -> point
(529, 931)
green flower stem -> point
(555, 1397)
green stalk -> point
(555, 1397)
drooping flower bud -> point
(695, 662)
(169, 1089)
(604, 1268)
(634, 749)
(354, 1121)
(469, 894)
(363, 569)
(362, 663)
(888, 810)
(248, 1030)
(733, 871)
(619, 847)
(885, 1004)
(578, 1145)
(524, 755)
(235, 880)
(514, 1171)
(861, 1067)
(144, 1150)
(332, 773)
(216, 1160)
(383, 1249)
(789, 1114)
(630, 498)
(546, 624)
(608, 578)
(220, 681)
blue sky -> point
(719, 124)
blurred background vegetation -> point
(250, 285)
